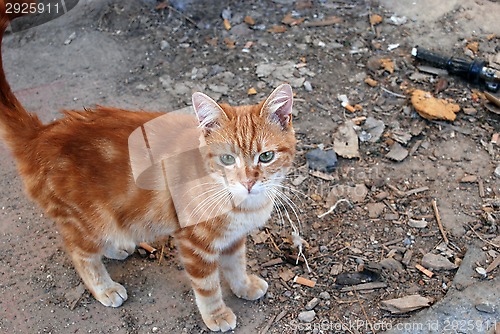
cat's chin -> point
(253, 201)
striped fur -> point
(77, 169)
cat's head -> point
(250, 148)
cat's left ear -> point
(278, 106)
(209, 113)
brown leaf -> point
(432, 108)
(277, 29)
(387, 64)
(375, 19)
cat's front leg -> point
(233, 265)
(201, 266)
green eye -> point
(266, 156)
(227, 159)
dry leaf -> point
(432, 108)
(277, 29)
(231, 44)
(375, 19)
(249, 20)
(473, 46)
(387, 64)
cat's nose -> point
(249, 185)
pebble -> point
(307, 316)
(141, 87)
(372, 130)
(486, 307)
(497, 171)
(323, 161)
(397, 152)
(481, 271)
(417, 223)
(312, 304)
(437, 262)
(307, 86)
(391, 265)
(375, 209)
(164, 45)
(324, 295)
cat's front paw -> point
(222, 320)
(113, 295)
(255, 288)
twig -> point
(392, 93)
(483, 239)
(364, 312)
(332, 208)
(161, 254)
(438, 219)
(272, 241)
(416, 191)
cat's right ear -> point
(209, 113)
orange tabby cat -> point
(78, 170)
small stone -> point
(307, 316)
(142, 252)
(70, 38)
(324, 295)
(405, 304)
(437, 262)
(141, 87)
(497, 171)
(323, 161)
(486, 308)
(375, 209)
(417, 223)
(307, 86)
(374, 129)
(391, 265)
(334, 271)
(164, 45)
(312, 304)
(397, 153)
(469, 179)
(470, 111)
(481, 271)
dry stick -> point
(332, 208)
(440, 225)
(483, 239)
(161, 254)
(392, 93)
(364, 312)
(272, 241)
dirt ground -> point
(151, 55)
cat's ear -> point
(209, 113)
(278, 106)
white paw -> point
(118, 254)
(113, 296)
(223, 320)
(256, 288)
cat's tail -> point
(17, 126)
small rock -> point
(481, 271)
(486, 308)
(437, 262)
(307, 86)
(397, 152)
(141, 87)
(307, 316)
(142, 252)
(469, 179)
(335, 270)
(497, 171)
(375, 209)
(164, 45)
(324, 295)
(346, 141)
(417, 223)
(323, 161)
(373, 128)
(312, 304)
(398, 20)
(70, 38)
(405, 304)
(470, 111)
(391, 265)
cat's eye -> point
(227, 159)
(266, 156)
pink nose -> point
(249, 185)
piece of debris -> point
(432, 108)
(278, 29)
(356, 278)
(312, 304)
(346, 141)
(481, 271)
(371, 130)
(469, 179)
(397, 153)
(147, 247)
(486, 308)
(323, 23)
(286, 274)
(375, 19)
(324, 295)
(387, 64)
(70, 38)
(299, 179)
(398, 20)
(320, 160)
(307, 316)
(251, 91)
(336, 269)
(249, 20)
(437, 262)
(401, 137)
(272, 262)
(304, 281)
(391, 264)
(375, 210)
(364, 286)
(493, 264)
(405, 304)
(427, 272)
(417, 223)
(438, 220)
